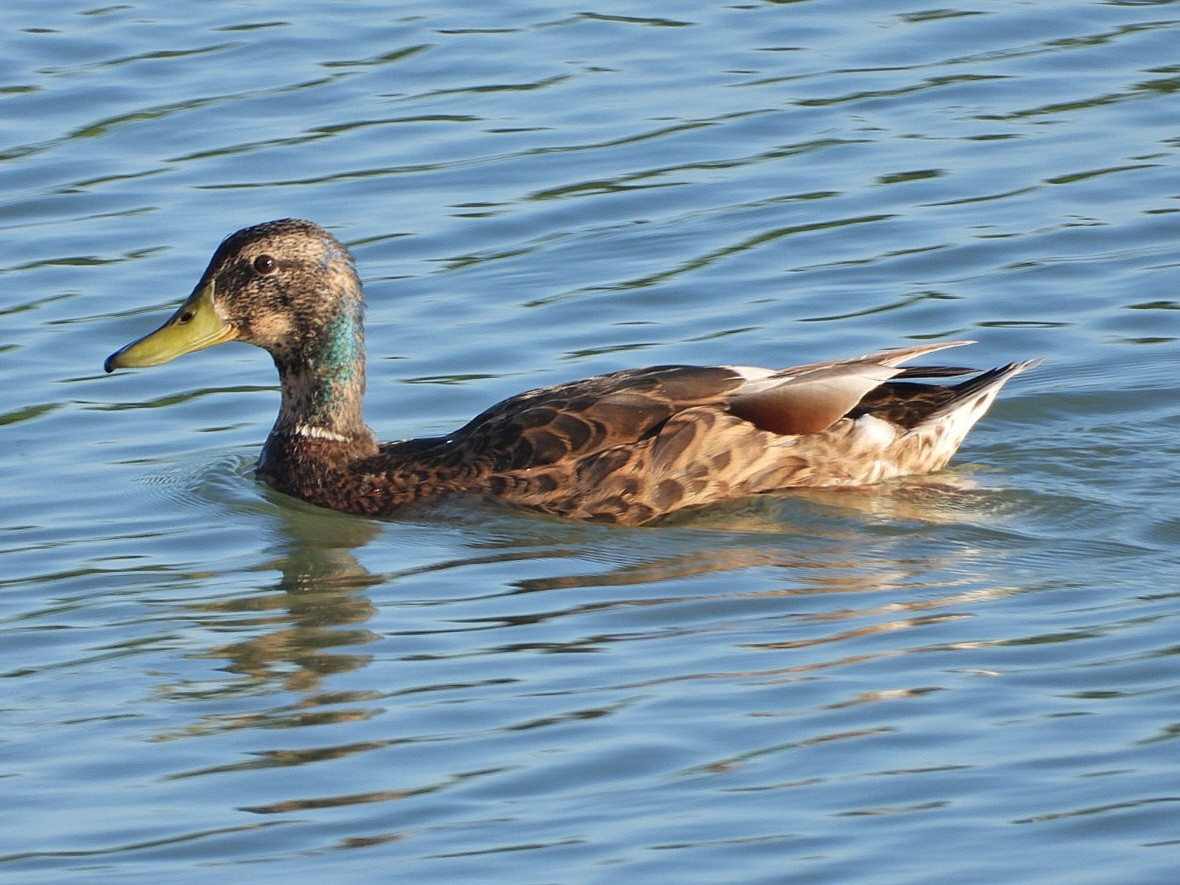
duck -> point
(625, 448)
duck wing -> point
(571, 421)
(568, 421)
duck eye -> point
(265, 264)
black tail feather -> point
(934, 371)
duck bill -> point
(194, 326)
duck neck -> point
(323, 385)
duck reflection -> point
(310, 625)
(316, 606)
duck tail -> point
(933, 439)
(976, 395)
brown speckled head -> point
(290, 287)
(282, 285)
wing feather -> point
(572, 421)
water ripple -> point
(867, 685)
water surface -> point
(966, 678)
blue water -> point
(969, 678)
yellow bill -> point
(194, 326)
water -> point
(969, 678)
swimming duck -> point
(624, 448)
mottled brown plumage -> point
(625, 448)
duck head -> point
(283, 286)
